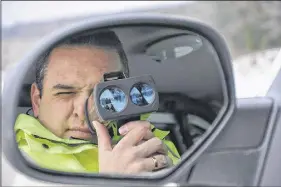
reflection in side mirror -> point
(175, 46)
(58, 129)
(190, 88)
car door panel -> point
(272, 168)
(247, 127)
(237, 156)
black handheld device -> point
(122, 99)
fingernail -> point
(123, 130)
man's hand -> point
(138, 151)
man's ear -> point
(35, 99)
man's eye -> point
(64, 93)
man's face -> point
(71, 75)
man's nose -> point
(79, 107)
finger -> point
(133, 137)
(156, 162)
(151, 146)
(148, 135)
(161, 151)
(131, 125)
(124, 129)
(104, 141)
(141, 142)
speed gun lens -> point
(113, 99)
(142, 94)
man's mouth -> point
(85, 130)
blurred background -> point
(251, 29)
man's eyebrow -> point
(64, 87)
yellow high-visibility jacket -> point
(69, 155)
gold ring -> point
(155, 162)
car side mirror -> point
(192, 69)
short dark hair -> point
(104, 39)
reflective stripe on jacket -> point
(70, 155)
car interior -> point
(185, 69)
